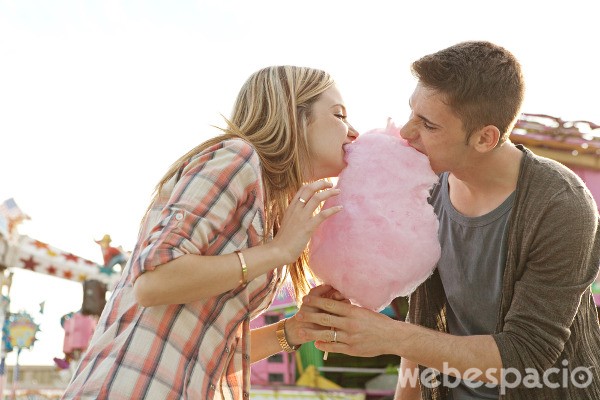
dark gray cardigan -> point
(547, 314)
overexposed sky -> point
(97, 98)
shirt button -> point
(179, 216)
(246, 356)
(246, 394)
(212, 387)
(227, 349)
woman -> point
(225, 218)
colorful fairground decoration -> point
(21, 331)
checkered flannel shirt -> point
(198, 350)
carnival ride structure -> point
(24, 252)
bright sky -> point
(97, 98)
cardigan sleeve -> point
(561, 263)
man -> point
(508, 311)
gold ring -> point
(301, 200)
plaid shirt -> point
(198, 350)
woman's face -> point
(328, 132)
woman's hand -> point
(300, 221)
(297, 326)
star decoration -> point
(51, 253)
(29, 263)
(82, 277)
(71, 257)
(51, 270)
(40, 245)
(67, 274)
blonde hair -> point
(272, 112)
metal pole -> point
(4, 303)
(16, 376)
(2, 376)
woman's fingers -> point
(313, 194)
(320, 290)
(324, 311)
(300, 221)
(304, 195)
(327, 291)
(336, 295)
(321, 319)
(328, 305)
(324, 214)
(321, 196)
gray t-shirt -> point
(471, 268)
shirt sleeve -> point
(207, 204)
(562, 262)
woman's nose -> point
(352, 133)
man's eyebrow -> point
(422, 117)
(427, 120)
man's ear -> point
(485, 139)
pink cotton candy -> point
(384, 243)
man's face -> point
(434, 130)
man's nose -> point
(409, 130)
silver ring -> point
(301, 200)
(334, 336)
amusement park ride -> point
(301, 375)
(22, 251)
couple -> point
(510, 297)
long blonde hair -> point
(272, 112)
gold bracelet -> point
(244, 280)
(280, 332)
